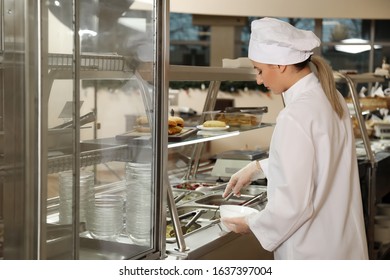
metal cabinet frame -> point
(24, 53)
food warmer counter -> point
(206, 238)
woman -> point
(314, 208)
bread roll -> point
(175, 125)
(142, 124)
(142, 120)
(214, 124)
(179, 121)
(171, 122)
(174, 130)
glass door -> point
(93, 160)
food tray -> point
(192, 185)
(184, 134)
(244, 117)
(134, 135)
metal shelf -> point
(206, 136)
(111, 66)
(203, 73)
(97, 66)
(366, 78)
(97, 62)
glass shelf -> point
(206, 73)
(206, 135)
(199, 138)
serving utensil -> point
(188, 225)
(262, 196)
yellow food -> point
(214, 124)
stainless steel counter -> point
(210, 241)
(213, 243)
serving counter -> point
(215, 244)
(208, 239)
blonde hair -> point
(325, 75)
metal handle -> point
(229, 196)
(195, 218)
(261, 197)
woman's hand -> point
(243, 178)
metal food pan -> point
(193, 185)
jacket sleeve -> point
(290, 173)
(264, 166)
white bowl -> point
(235, 211)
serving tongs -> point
(179, 197)
(219, 206)
(262, 197)
(188, 225)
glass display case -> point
(81, 129)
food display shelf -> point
(98, 66)
(88, 158)
(203, 73)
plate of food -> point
(213, 125)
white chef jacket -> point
(314, 208)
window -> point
(189, 43)
(353, 44)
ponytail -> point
(325, 75)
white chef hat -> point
(277, 42)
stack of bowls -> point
(105, 216)
(139, 202)
(66, 197)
